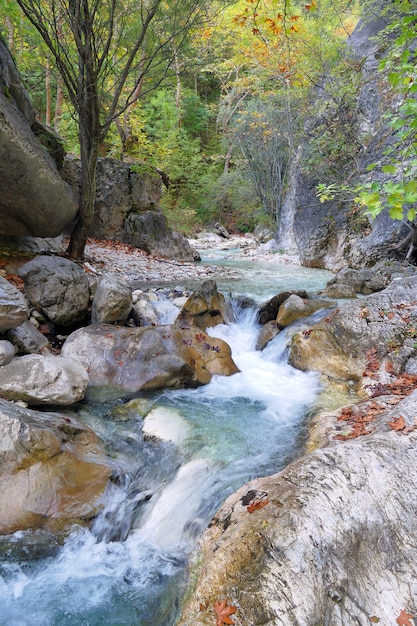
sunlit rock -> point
(53, 470)
(329, 540)
(294, 308)
(339, 345)
(206, 307)
(48, 379)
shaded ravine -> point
(130, 568)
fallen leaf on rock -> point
(256, 504)
(374, 619)
(398, 423)
(223, 610)
(404, 619)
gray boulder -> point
(58, 288)
(27, 339)
(13, 307)
(7, 352)
(53, 470)
(149, 231)
(37, 380)
(112, 300)
(363, 281)
(34, 198)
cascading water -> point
(130, 567)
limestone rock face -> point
(112, 300)
(53, 470)
(333, 544)
(328, 234)
(127, 360)
(120, 190)
(38, 379)
(34, 198)
(58, 288)
(206, 307)
(338, 346)
(13, 307)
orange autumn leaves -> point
(358, 420)
(223, 611)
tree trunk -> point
(79, 235)
(89, 138)
(58, 104)
(178, 88)
(48, 93)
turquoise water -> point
(130, 568)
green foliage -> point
(263, 132)
(398, 192)
(333, 144)
(235, 203)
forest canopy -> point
(214, 94)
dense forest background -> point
(218, 96)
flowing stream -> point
(201, 445)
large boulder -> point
(34, 198)
(364, 281)
(126, 208)
(206, 307)
(112, 300)
(58, 288)
(38, 379)
(13, 306)
(53, 470)
(123, 360)
(329, 540)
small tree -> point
(109, 53)
(262, 133)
